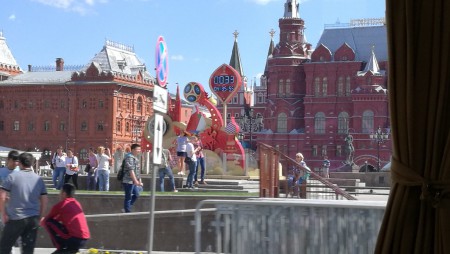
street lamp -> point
(249, 123)
(379, 136)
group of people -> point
(23, 204)
(190, 154)
(66, 166)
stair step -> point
(212, 186)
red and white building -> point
(310, 99)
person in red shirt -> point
(66, 222)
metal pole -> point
(152, 204)
(379, 163)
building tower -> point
(285, 76)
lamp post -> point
(379, 136)
(249, 123)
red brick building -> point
(310, 99)
(105, 102)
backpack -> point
(121, 171)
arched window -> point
(280, 88)
(340, 88)
(316, 87)
(16, 126)
(324, 86)
(343, 121)
(282, 123)
(84, 126)
(347, 86)
(367, 121)
(46, 125)
(319, 123)
(127, 127)
(119, 126)
(139, 104)
(288, 87)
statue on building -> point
(349, 149)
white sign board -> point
(158, 138)
(160, 99)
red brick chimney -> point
(59, 64)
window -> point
(339, 150)
(127, 127)
(83, 154)
(46, 125)
(128, 105)
(100, 126)
(317, 87)
(46, 104)
(280, 88)
(288, 87)
(235, 100)
(16, 104)
(2, 125)
(282, 123)
(324, 86)
(139, 104)
(16, 126)
(30, 104)
(84, 126)
(367, 121)
(319, 123)
(119, 105)
(62, 104)
(340, 88)
(236, 115)
(324, 150)
(31, 126)
(84, 104)
(343, 122)
(62, 126)
(119, 126)
(1, 104)
(347, 86)
(260, 98)
(101, 104)
(314, 151)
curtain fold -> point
(417, 218)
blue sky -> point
(198, 33)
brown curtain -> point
(417, 218)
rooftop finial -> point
(236, 33)
(272, 33)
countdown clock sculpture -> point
(225, 82)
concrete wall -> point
(111, 229)
(372, 179)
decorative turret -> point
(291, 9)
(292, 33)
(372, 63)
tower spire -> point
(235, 60)
(372, 64)
(291, 9)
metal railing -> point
(291, 226)
(271, 160)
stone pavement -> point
(50, 250)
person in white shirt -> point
(59, 164)
(103, 159)
(191, 161)
(72, 168)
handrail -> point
(313, 175)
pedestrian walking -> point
(27, 202)
(91, 179)
(66, 222)
(132, 182)
(59, 165)
(72, 168)
(103, 159)
(166, 170)
(200, 161)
